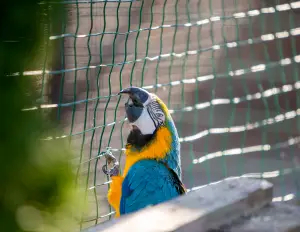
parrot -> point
(152, 171)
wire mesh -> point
(228, 71)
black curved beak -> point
(125, 91)
(138, 96)
(136, 93)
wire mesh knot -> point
(111, 168)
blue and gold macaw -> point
(152, 172)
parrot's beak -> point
(125, 91)
(128, 91)
(132, 90)
(136, 93)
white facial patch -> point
(151, 118)
(145, 123)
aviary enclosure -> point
(228, 71)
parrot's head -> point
(152, 127)
(146, 113)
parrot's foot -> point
(111, 168)
(111, 172)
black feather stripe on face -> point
(156, 114)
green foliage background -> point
(36, 178)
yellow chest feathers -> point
(156, 149)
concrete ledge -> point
(208, 207)
(279, 217)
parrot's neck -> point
(173, 157)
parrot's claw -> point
(112, 172)
(111, 168)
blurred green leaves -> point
(37, 190)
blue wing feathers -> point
(148, 182)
